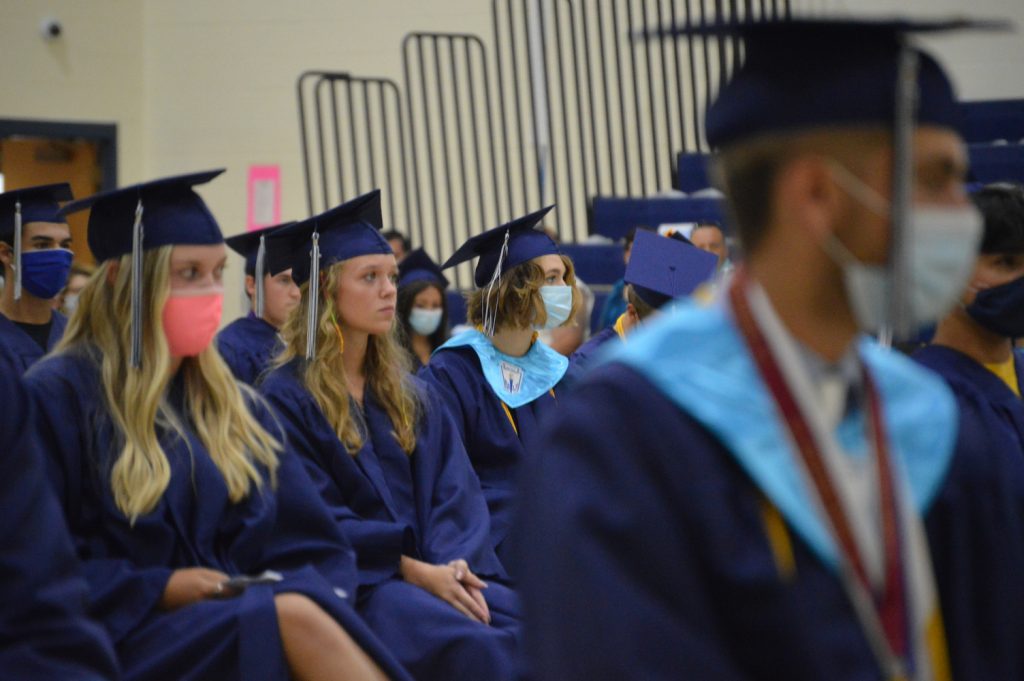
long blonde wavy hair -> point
(387, 369)
(136, 398)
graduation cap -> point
(19, 207)
(662, 268)
(805, 74)
(851, 66)
(417, 266)
(346, 231)
(145, 216)
(260, 258)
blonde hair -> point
(387, 367)
(136, 397)
(518, 300)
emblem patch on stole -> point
(511, 377)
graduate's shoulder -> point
(454, 359)
(240, 333)
(78, 369)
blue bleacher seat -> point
(986, 121)
(996, 163)
(614, 217)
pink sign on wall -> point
(264, 196)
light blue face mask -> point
(557, 303)
(423, 321)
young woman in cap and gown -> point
(249, 343)
(174, 478)
(387, 458)
(422, 307)
(739, 491)
(498, 380)
(660, 270)
(35, 249)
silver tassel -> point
(17, 250)
(314, 297)
(491, 309)
(137, 234)
(261, 256)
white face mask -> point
(70, 303)
(942, 245)
(423, 321)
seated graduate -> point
(738, 492)
(172, 475)
(35, 248)
(422, 306)
(976, 527)
(660, 270)
(387, 458)
(249, 343)
(498, 380)
(44, 630)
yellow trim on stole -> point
(935, 645)
(508, 413)
(778, 540)
(619, 328)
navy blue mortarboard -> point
(511, 244)
(36, 204)
(808, 73)
(171, 214)
(346, 231)
(248, 245)
(262, 255)
(141, 217)
(662, 268)
(417, 266)
(19, 207)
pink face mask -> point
(191, 321)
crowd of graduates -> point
(738, 478)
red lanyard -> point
(890, 605)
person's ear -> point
(6, 254)
(807, 195)
(112, 271)
(634, 318)
(250, 285)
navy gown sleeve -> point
(304, 532)
(439, 376)
(121, 593)
(379, 544)
(457, 522)
(44, 632)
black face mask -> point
(1000, 309)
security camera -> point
(51, 29)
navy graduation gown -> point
(585, 354)
(248, 345)
(285, 528)
(655, 556)
(428, 506)
(976, 525)
(44, 631)
(20, 348)
(496, 448)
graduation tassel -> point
(261, 255)
(491, 309)
(17, 250)
(136, 301)
(314, 296)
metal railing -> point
(567, 106)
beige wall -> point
(196, 84)
(92, 74)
